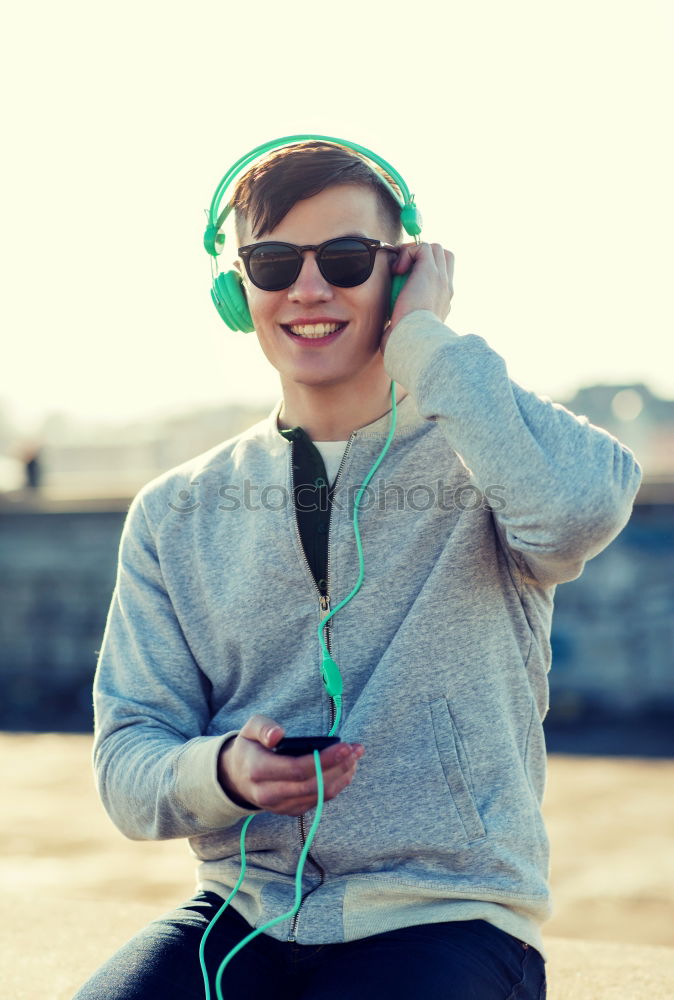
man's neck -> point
(331, 413)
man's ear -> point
(237, 264)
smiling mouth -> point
(316, 334)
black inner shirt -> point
(313, 501)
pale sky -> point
(536, 137)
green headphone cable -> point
(332, 680)
(276, 920)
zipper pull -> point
(324, 601)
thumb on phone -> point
(264, 730)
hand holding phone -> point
(256, 775)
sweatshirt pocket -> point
(456, 767)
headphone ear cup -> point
(229, 298)
(397, 285)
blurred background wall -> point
(613, 628)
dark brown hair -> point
(267, 192)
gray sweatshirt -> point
(488, 497)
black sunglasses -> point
(346, 261)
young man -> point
(428, 872)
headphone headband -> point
(214, 241)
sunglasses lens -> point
(273, 267)
(346, 263)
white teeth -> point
(317, 330)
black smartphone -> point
(298, 746)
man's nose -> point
(310, 281)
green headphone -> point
(227, 289)
(229, 299)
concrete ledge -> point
(49, 948)
(52, 502)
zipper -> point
(324, 604)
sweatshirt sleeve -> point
(566, 487)
(156, 772)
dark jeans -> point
(457, 960)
